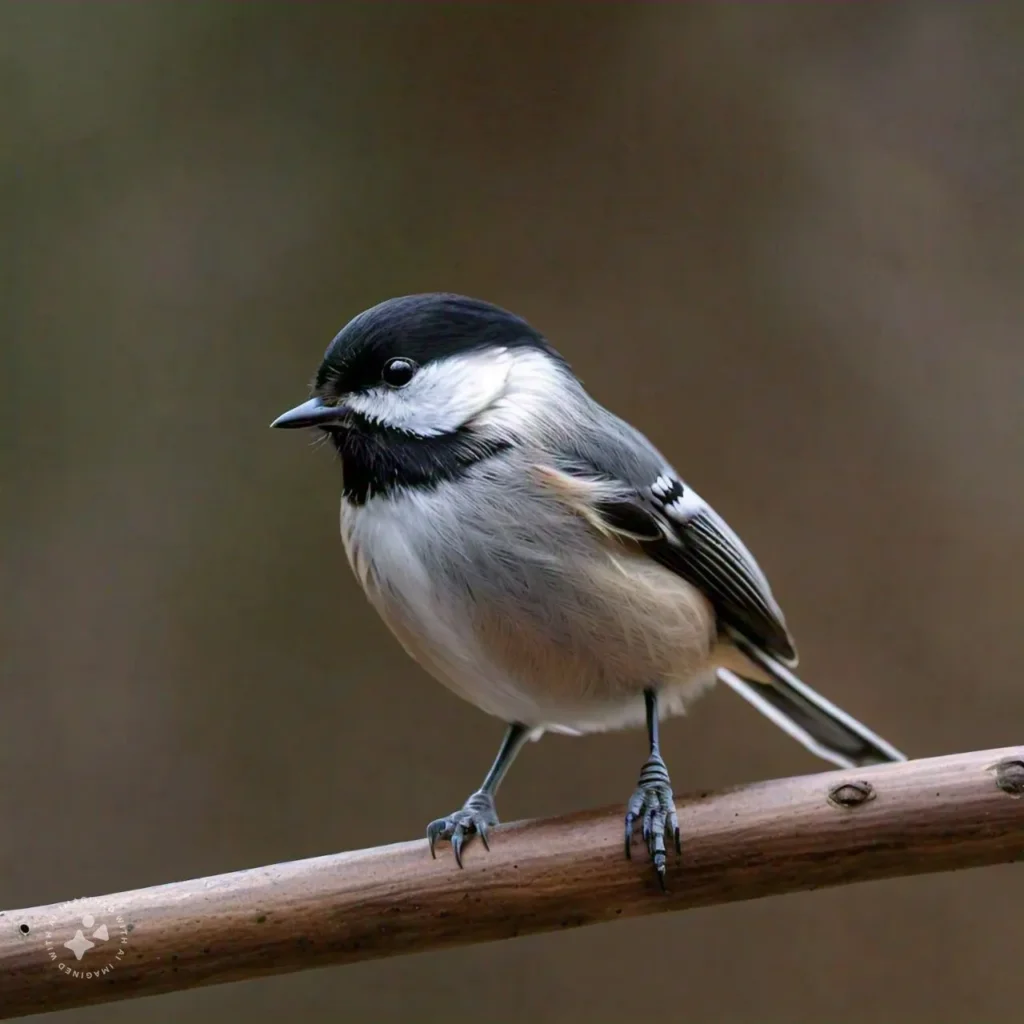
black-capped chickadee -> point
(539, 556)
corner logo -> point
(91, 950)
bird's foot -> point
(654, 805)
(476, 816)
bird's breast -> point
(541, 622)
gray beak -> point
(311, 414)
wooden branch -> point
(774, 837)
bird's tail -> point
(824, 729)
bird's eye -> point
(398, 372)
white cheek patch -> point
(535, 392)
(442, 397)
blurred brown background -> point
(784, 240)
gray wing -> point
(634, 492)
(677, 528)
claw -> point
(653, 805)
(660, 868)
(673, 823)
(476, 817)
(433, 831)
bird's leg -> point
(653, 802)
(478, 813)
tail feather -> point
(824, 729)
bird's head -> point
(418, 389)
(426, 366)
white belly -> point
(567, 645)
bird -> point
(537, 555)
